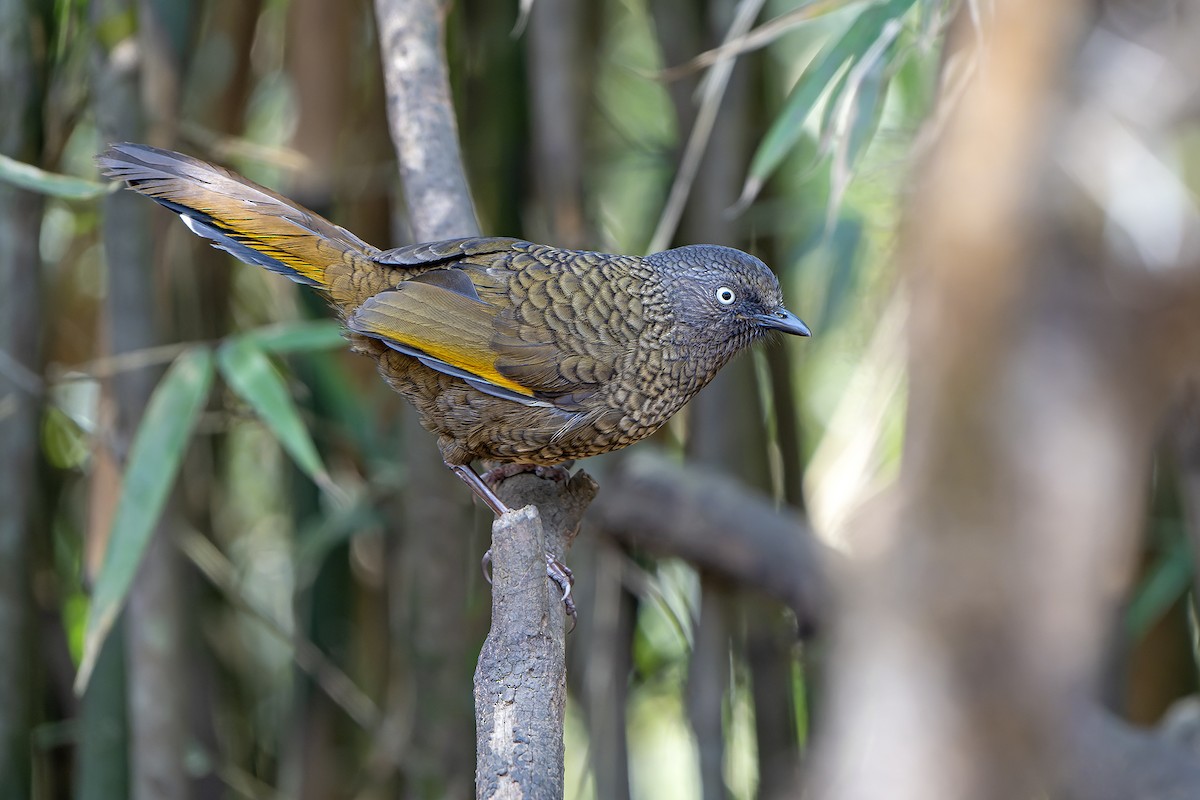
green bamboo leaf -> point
(834, 59)
(63, 442)
(868, 108)
(30, 177)
(858, 117)
(1164, 584)
(154, 458)
(842, 269)
(251, 375)
(835, 94)
(305, 336)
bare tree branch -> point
(421, 118)
(718, 525)
(520, 683)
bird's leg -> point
(564, 579)
(484, 492)
(559, 473)
(555, 569)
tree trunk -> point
(20, 393)
(158, 710)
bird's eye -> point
(725, 295)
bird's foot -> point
(564, 579)
(556, 571)
(497, 475)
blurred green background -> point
(310, 605)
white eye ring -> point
(725, 296)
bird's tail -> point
(239, 216)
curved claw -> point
(570, 605)
(564, 579)
(556, 571)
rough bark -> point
(520, 682)
(20, 393)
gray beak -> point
(783, 320)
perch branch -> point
(520, 681)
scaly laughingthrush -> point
(510, 351)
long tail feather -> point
(239, 216)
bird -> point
(512, 352)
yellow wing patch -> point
(443, 325)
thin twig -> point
(713, 91)
(108, 366)
(224, 146)
(838, 135)
(340, 688)
(756, 39)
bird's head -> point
(723, 298)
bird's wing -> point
(447, 329)
(557, 331)
(521, 328)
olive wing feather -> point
(506, 349)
